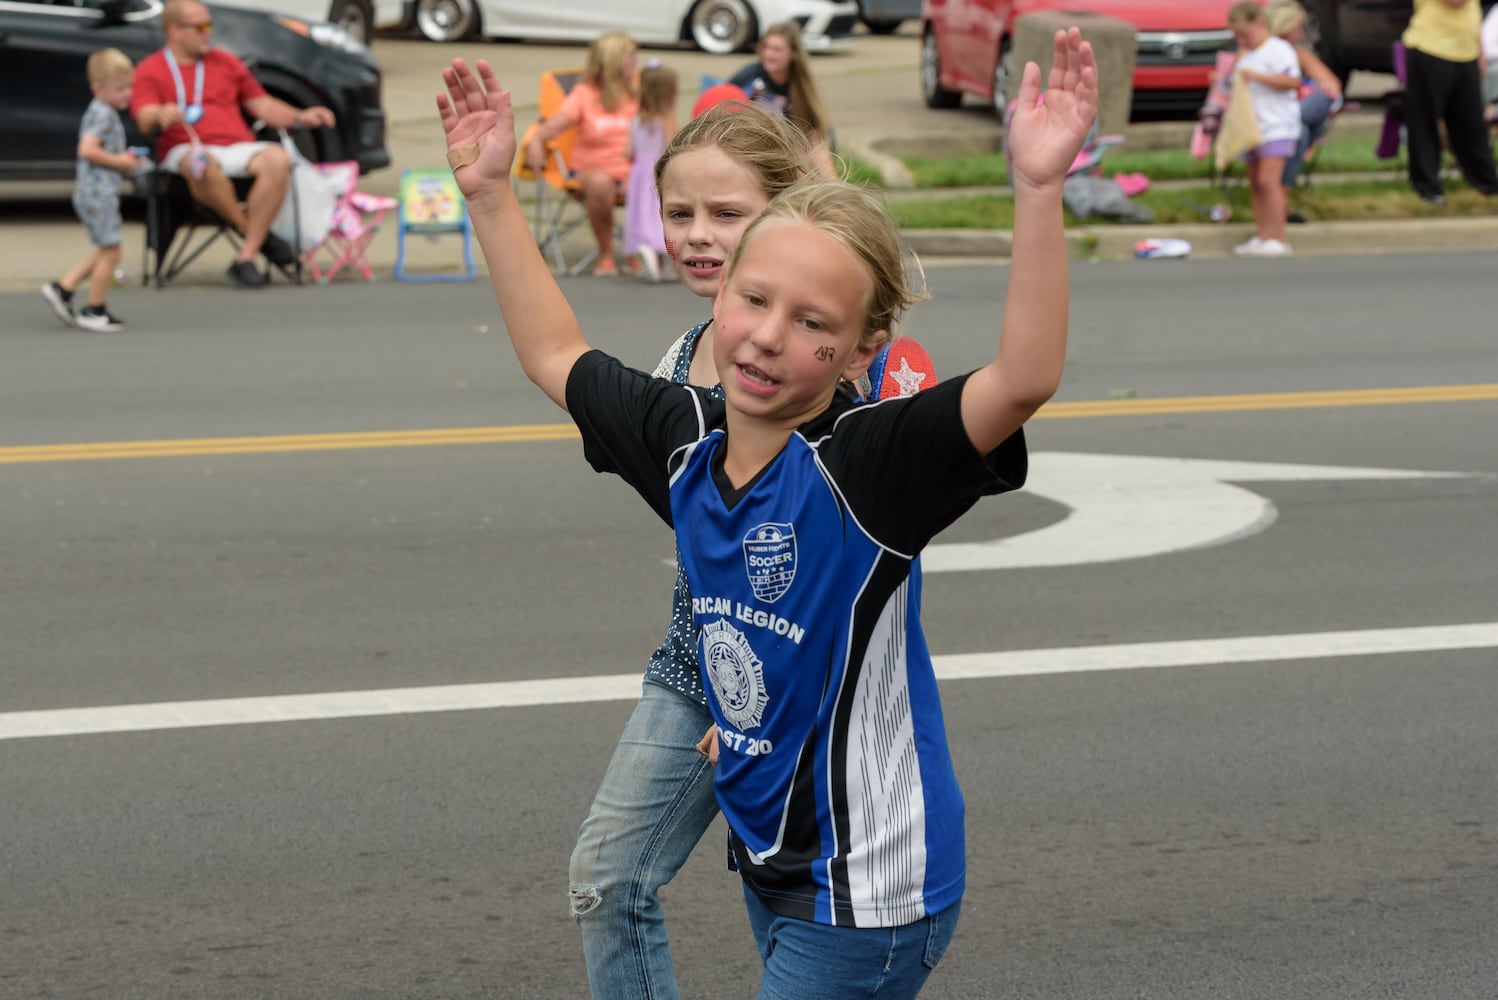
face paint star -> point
(908, 379)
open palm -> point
(476, 114)
(1047, 131)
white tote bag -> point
(317, 191)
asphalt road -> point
(1301, 822)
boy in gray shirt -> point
(103, 162)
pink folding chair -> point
(356, 219)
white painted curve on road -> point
(626, 687)
(1135, 506)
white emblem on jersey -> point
(770, 558)
(737, 675)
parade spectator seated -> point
(195, 98)
(601, 105)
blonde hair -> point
(108, 64)
(777, 154)
(607, 55)
(1283, 16)
(858, 220)
(1245, 12)
(657, 92)
(806, 108)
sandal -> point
(606, 268)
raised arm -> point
(1044, 138)
(480, 127)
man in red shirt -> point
(196, 97)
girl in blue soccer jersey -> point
(799, 516)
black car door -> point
(44, 50)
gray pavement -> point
(1280, 829)
(872, 90)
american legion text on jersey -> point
(833, 769)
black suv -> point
(44, 47)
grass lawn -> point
(1370, 199)
(1336, 156)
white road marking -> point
(1134, 506)
(625, 687)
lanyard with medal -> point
(197, 158)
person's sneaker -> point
(1274, 248)
(1438, 200)
(97, 318)
(1249, 247)
(245, 274)
(61, 301)
(1295, 219)
(650, 267)
(278, 251)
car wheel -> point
(1003, 79)
(935, 94)
(876, 26)
(722, 26)
(446, 20)
(354, 16)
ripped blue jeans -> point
(654, 804)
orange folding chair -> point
(356, 219)
(558, 206)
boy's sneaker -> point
(97, 318)
(1274, 248)
(650, 266)
(1248, 248)
(61, 301)
(245, 274)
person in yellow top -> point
(1443, 81)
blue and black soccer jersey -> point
(833, 770)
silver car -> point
(717, 26)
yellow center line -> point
(557, 432)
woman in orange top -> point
(601, 105)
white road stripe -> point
(624, 687)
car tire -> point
(1003, 79)
(935, 94)
(446, 20)
(355, 16)
(720, 27)
(881, 27)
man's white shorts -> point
(232, 160)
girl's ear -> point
(863, 355)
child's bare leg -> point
(106, 259)
(1269, 197)
(69, 282)
(598, 199)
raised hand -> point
(480, 127)
(1045, 135)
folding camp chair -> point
(179, 228)
(558, 208)
(356, 219)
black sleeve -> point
(746, 76)
(631, 423)
(908, 469)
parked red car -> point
(966, 48)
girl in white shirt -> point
(1269, 67)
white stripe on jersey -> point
(886, 875)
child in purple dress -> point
(652, 128)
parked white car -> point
(358, 17)
(717, 26)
